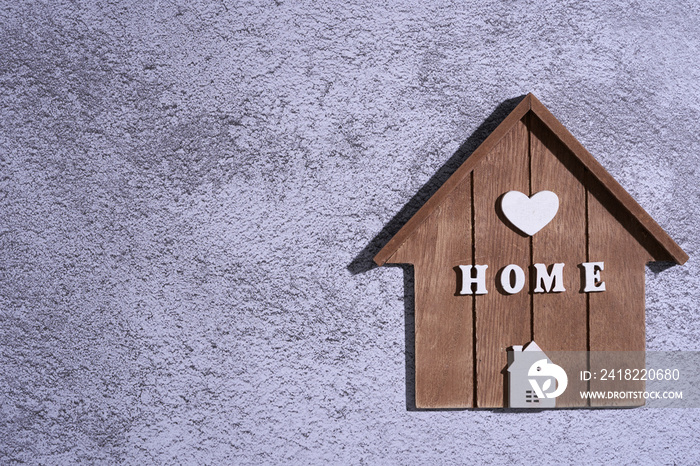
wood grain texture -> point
(443, 319)
(502, 320)
(560, 319)
(616, 315)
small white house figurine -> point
(533, 380)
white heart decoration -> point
(530, 214)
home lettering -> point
(547, 279)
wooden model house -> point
(462, 332)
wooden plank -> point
(560, 320)
(455, 180)
(616, 315)
(502, 320)
(663, 247)
(443, 319)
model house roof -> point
(655, 239)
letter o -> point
(517, 273)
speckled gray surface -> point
(190, 194)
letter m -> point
(549, 282)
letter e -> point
(592, 276)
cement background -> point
(189, 194)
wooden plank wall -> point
(461, 341)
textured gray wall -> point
(190, 194)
